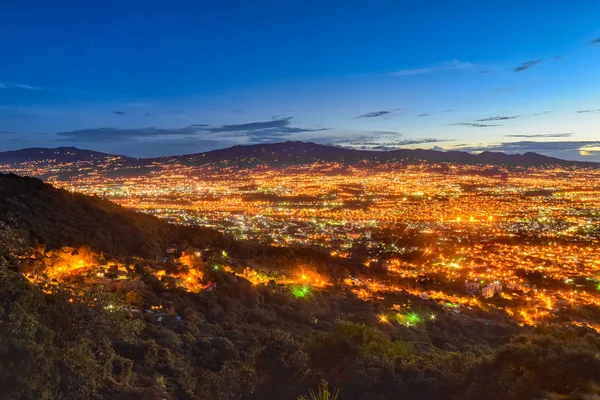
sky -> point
(152, 78)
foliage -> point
(348, 340)
(58, 218)
(551, 359)
(147, 338)
(322, 394)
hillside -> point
(56, 218)
(202, 324)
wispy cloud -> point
(115, 134)
(497, 118)
(25, 87)
(119, 112)
(561, 148)
(403, 142)
(587, 111)
(272, 130)
(474, 124)
(446, 66)
(532, 63)
(366, 142)
(254, 132)
(482, 122)
(7, 85)
(424, 115)
(526, 65)
(593, 42)
(543, 135)
(374, 114)
(253, 126)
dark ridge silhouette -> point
(308, 152)
(290, 153)
(55, 218)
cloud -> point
(5, 132)
(526, 65)
(112, 134)
(497, 118)
(386, 133)
(424, 115)
(446, 66)
(554, 148)
(593, 42)
(360, 136)
(374, 114)
(120, 112)
(474, 124)
(167, 147)
(437, 148)
(485, 72)
(543, 135)
(25, 87)
(587, 111)
(478, 123)
(6, 85)
(532, 63)
(254, 132)
(408, 142)
(270, 131)
(364, 142)
(253, 126)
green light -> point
(216, 267)
(413, 318)
(299, 291)
(598, 286)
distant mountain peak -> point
(298, 152)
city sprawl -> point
(519, 242)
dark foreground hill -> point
(55, 218)
(133, 332)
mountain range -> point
(289, 153)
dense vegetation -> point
(70, 340)
(56, 217)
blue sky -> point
(148, 78)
